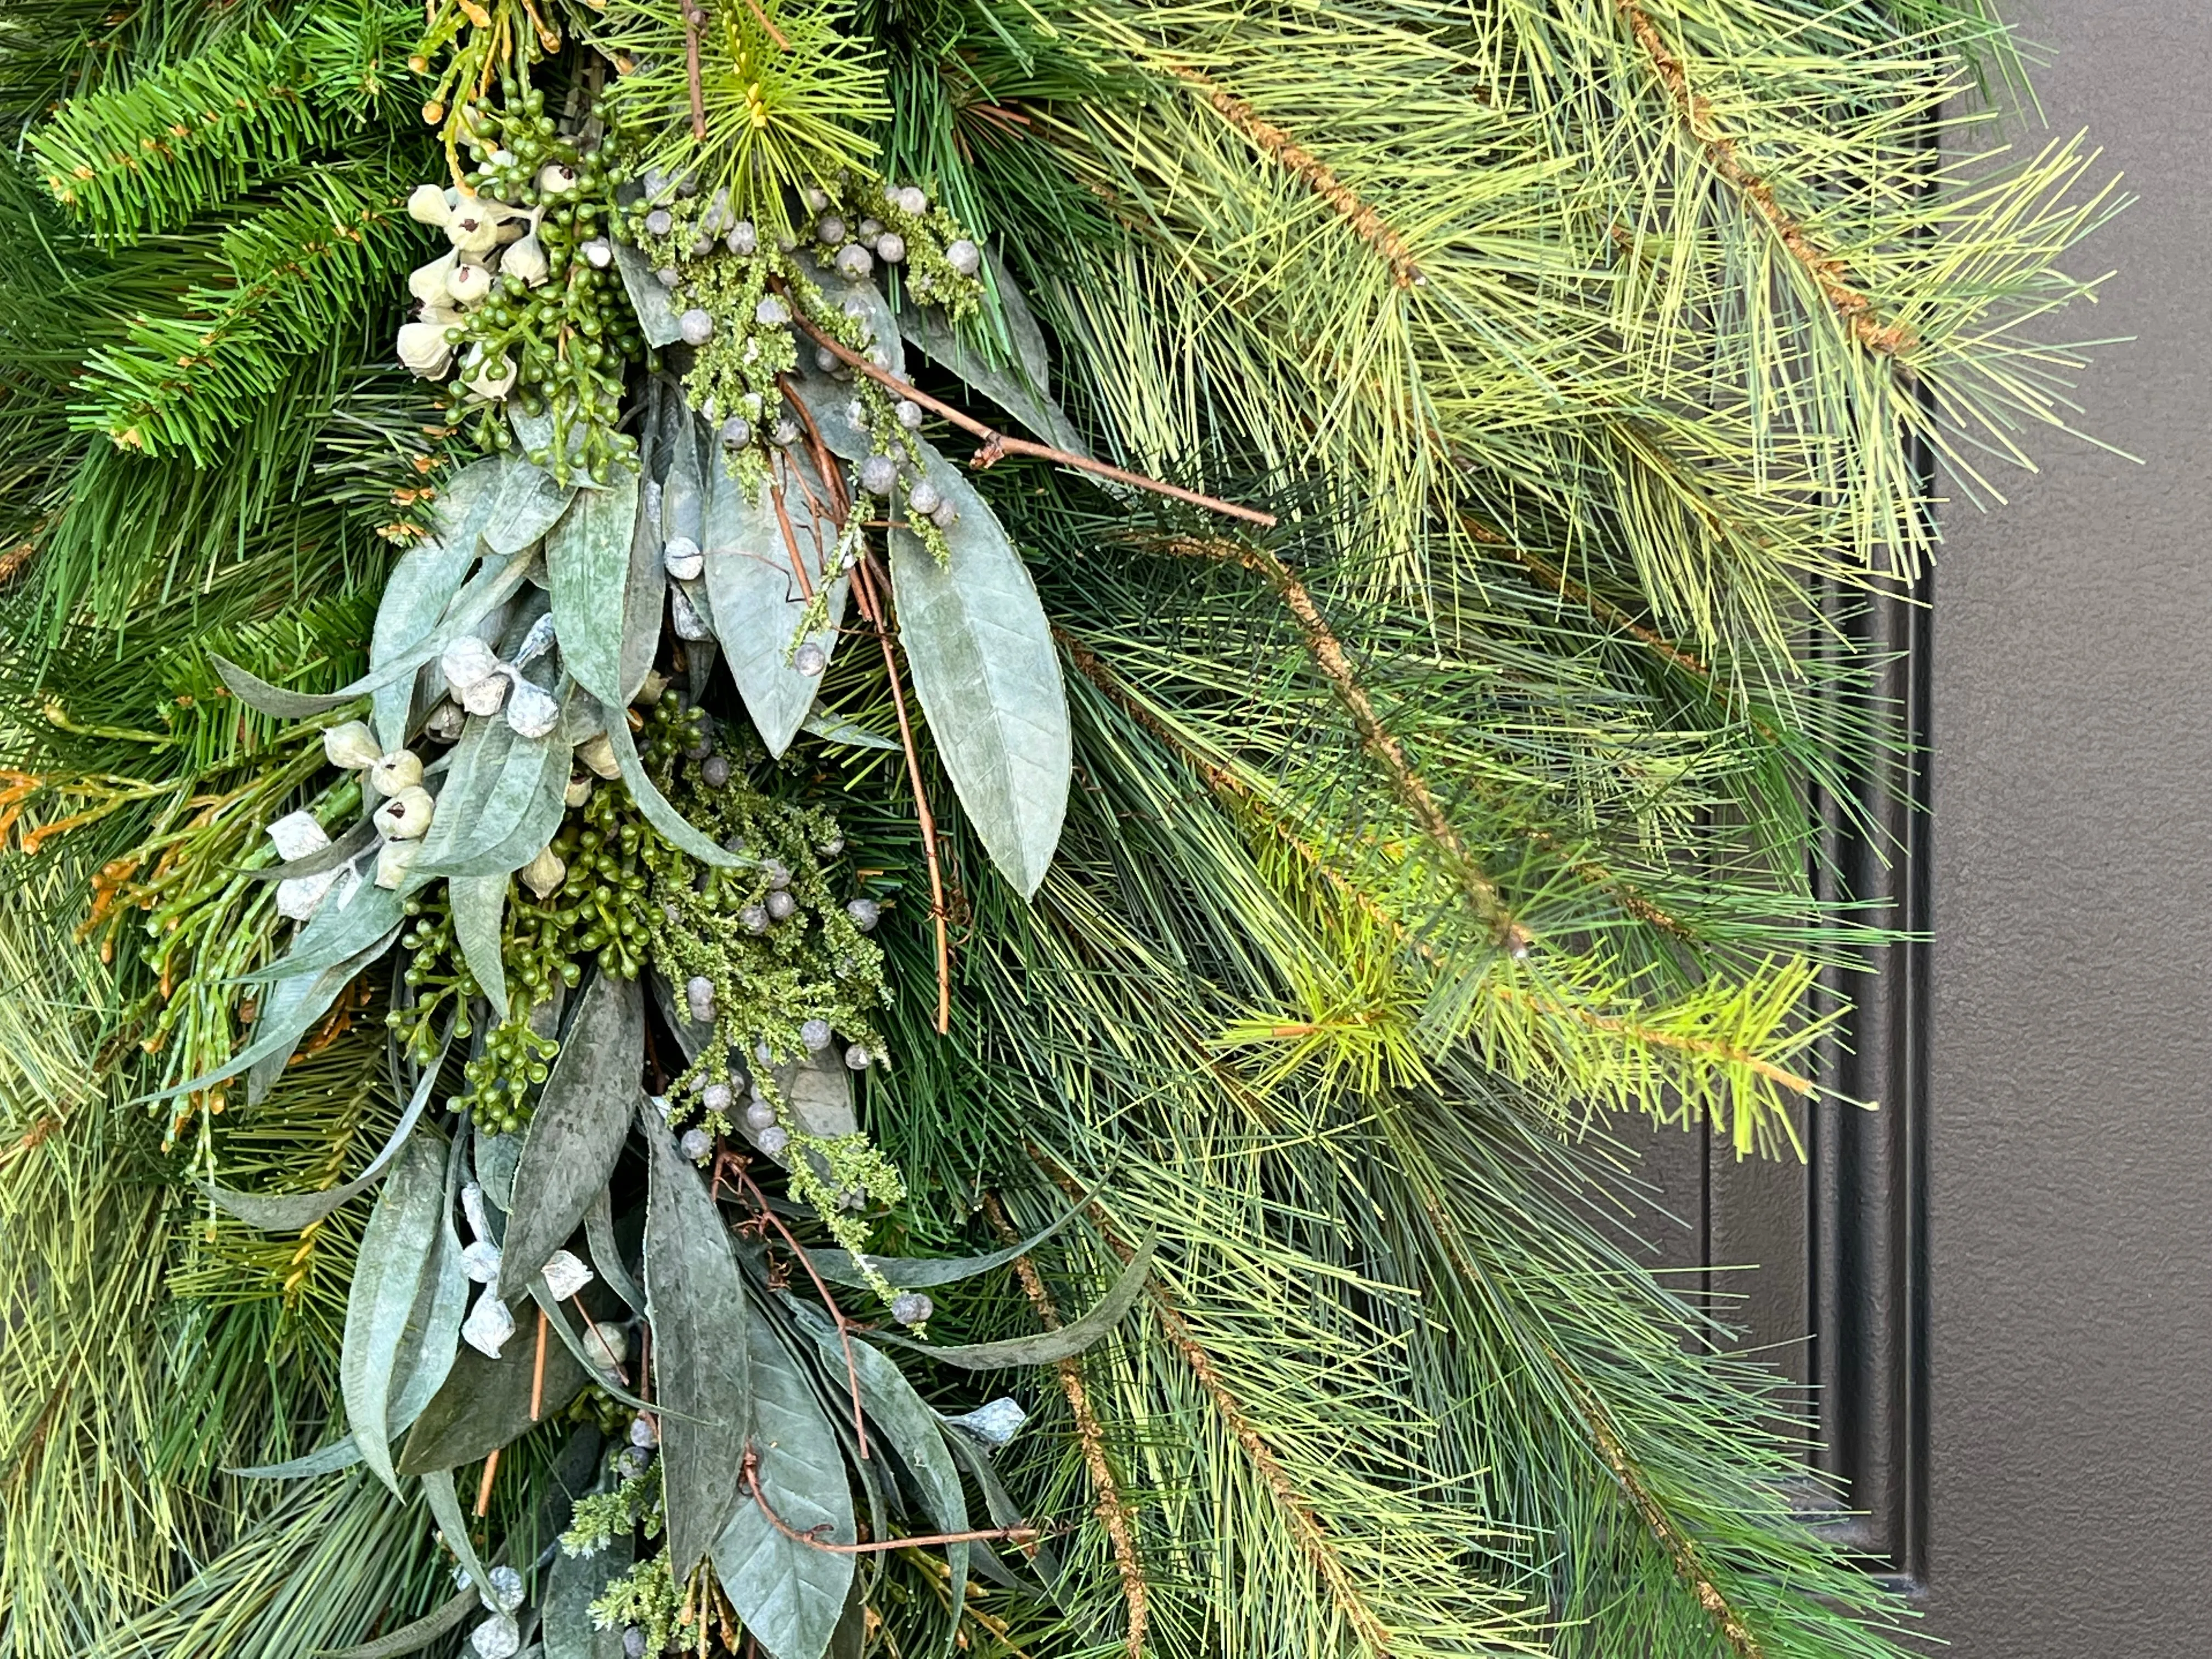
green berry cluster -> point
(603, 904)
(561, 323)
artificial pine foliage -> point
(835, 826)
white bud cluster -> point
(489, 240)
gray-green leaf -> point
(573, 1584)
(788, 1594)
(757, 601)
(656, 313)
(398, 1248)
(1048, 1346)
(577, 1131)
(485, 1404)
(479, 904)
(587, 558)
(701, 1326)
(920, 1272)
(988, 678)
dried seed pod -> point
(487, 695)
(446, 722)
(353, 746)
(597, 752)
(689, 625)
(579, 790)
(531, 711)
(565, 1276)
(427, 282)
(406, 816)
(468, 661)
(469, 284)
(473, 228)
(400, 769)
(545, 873)
(912, 1308)
(556, 177)
(480, 1262)
(681, 558)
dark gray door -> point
(2002, 1285)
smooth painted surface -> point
(2071, 1088)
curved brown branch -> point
(751, 1465)
(1112, 1510)
(1311, 171)
(1826, 268)
(997, 446)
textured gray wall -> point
(2072, 1096)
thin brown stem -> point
(1826, 268)
(871, 607)
(537, 1372)
(1112, 1512)
(1010, 1535)
(768, 25)
(483, 1486)
(997, 445)
(694, 14)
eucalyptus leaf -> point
(398, 1247)
(344, 850)
(434, 1330)
(485, 1404)
(446, 1509)
(918, 1273)
(831, 404)
(645, 596)
(587, 558)
(289, 1212)
(757, 601)
(655, 806)
(657, 318)
(835, 728)
(556, 1323)
(446, 1616)
(581, 1119)
(912, 1428)
(501, 802)
(349, 919)
(700, 1352)
(787, 1593)
(415, 594)
(529, 505)
(484, 591)
(573, 1583)
(606, 1252)
(1047, 1346)
(988, 678)
(340, 1454)
(479, 905)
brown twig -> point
(537, 1371)
(997, 445)
(1010, 1535)
(483, 1486)
(1826, 268)
(767, 24)
(1312, 172)
(729, 1161)
(1335, 664)
(694, 14)
(1112, 1511)
(871, 607)
(605, 1347)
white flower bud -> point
(599, 252)
(480, 1262)
(564, 1275)
(427, 282)
(890, 247)
(543, 874)
(579, 790)
(474, 226)
(424, 348)
(400, 769)
(556, 177)
(446, 722)
(469, 284)
(427, 205)
(527, 260)
(391, 861)
(353, 746)
(296, 835)
(468, 661)
(488, 1324)
(487, 694)
(406, 816)
(597, 752)
(531, 711)
(683, 558)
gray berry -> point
(815, 1033)
(742, 238)
(810, 659)
(910, 414)
(699, 997)
(598, 253)
(825, 360)
(668, 276)
(854, 262)
(831, 229)
(659, 223)
(865, 913)
(912, 199)
(717, 1097)
(858, 1057)
(753, 919)
(890, 247)
(912, 1308)
(924, 497)
(760, 1115)
(781, 907)
(642, 1431)
(946, 515)
(737, 432)
(964, 256)
(697, 324)
(786, 432)
(772, 1140)
(832, 847)
(714, 771)
(879, 473)
(696, 1145)
(634, 1641)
